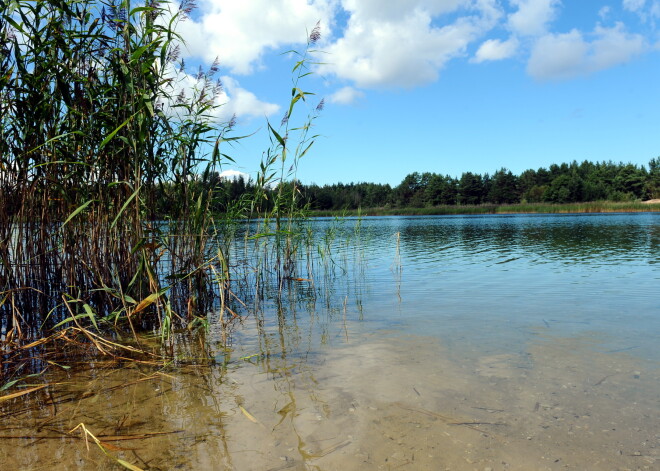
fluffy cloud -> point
(569, 55)
(345, 96)
(231, 99)
(404, 47)
(532, 16)
(495, 49)
(239, 33)
(242, 103)
(403, 43)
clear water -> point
(501, 280)
(459, 342)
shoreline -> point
(521, 208)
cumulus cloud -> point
(495, 49)
(405, 47)
(569, 55)
(239, 33)
(532, 16)
(403, 43)
(346, 96)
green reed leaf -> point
(124, 206)
(77, 210)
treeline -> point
(565, 183)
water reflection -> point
(557, 238)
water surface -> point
(459, 342)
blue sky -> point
(445, 86)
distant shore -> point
(521, 208)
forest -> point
(560, 183)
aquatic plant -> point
(107, 161)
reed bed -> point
(105, 164)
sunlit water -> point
(482, 342)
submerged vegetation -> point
(106, 221)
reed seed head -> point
(214, 67)
(315, 35)
(155, 4)
(186, 7)
(173, 54)
(181, 97)
(217, 89)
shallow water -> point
(501, 342)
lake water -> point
(462, 342)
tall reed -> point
(96, 134)
(107, 166)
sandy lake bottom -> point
(380, 402)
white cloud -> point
(243, 103)
(400, 43)
(558, 56)
(231, 100)
(404, 47)
(569, 55)
(346, 96)
(645, 10)
(234, 175)
(633, 5)
(495, 49)
(239, 32)
(532, 16)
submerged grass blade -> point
(9, 384)
(128, 465)
(86, 433)
(250, 417)
(22, 393)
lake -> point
(460, 342)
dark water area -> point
(446, 342)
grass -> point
(522, 208)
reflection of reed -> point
(282, 320)
(304, 319)
(397, 267)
